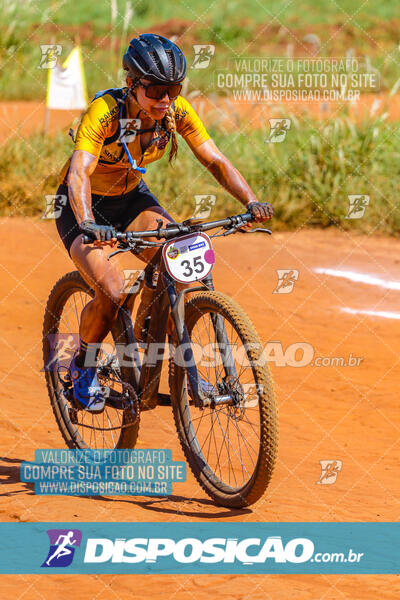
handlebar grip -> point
(86, 239)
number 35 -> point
(197, 264)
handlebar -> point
(174, 229)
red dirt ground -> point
(338, 413)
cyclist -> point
(123, 130)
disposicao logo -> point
(62, 547)
(191, 550)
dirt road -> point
(334, 412)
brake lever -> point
(125, 246)
(256, 230)
(238, 227)
(159, 225)
(125, 249)
(231, 230)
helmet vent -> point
(155, 59)
(171, 60)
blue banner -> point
(149, 472)
(200, 548)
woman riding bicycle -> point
(106, 193)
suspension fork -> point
(184, 353)
(167, 298)
(184, 350)
(222, 337)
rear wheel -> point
(118, 425)
(231, 449)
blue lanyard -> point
(125, 147)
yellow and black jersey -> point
(99, 134)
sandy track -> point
(339, 413)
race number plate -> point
(189, 258)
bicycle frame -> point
(168, 301)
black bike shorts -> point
(118, 211)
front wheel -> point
(231, 448)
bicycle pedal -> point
(68, 392)
(66, 380)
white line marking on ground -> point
(361, 278)
(373, 313)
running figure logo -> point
(286, 280)
(279, 129)
(202, 55)
(54, 206)
(62, 547)
(50, 54)
(128, 130)
(204, 204)
(62, 348)
(130, 278)
(251, 393)
(329, 471)
(357, 205)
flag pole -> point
(47, 111)
(46, 121)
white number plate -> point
(189, 258)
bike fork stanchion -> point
(184, 349)
(221, 336)
(224, 345)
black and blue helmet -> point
(156, 58)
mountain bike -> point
(221, 391)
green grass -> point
(308, 177)
(148, 11)
(251, 28)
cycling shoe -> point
(87, 390)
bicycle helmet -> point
(155, 58)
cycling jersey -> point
(99, 133)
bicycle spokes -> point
(228, 435)
(88, 430)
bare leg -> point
(148, 220)
(145, 221)
(106, 278)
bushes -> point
(307, 177)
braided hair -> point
(170, 126)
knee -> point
(110, 298)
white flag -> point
(66, 87)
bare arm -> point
(224, 172)
(82, 166)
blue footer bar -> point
(200, 548)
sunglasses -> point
(156, 91)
